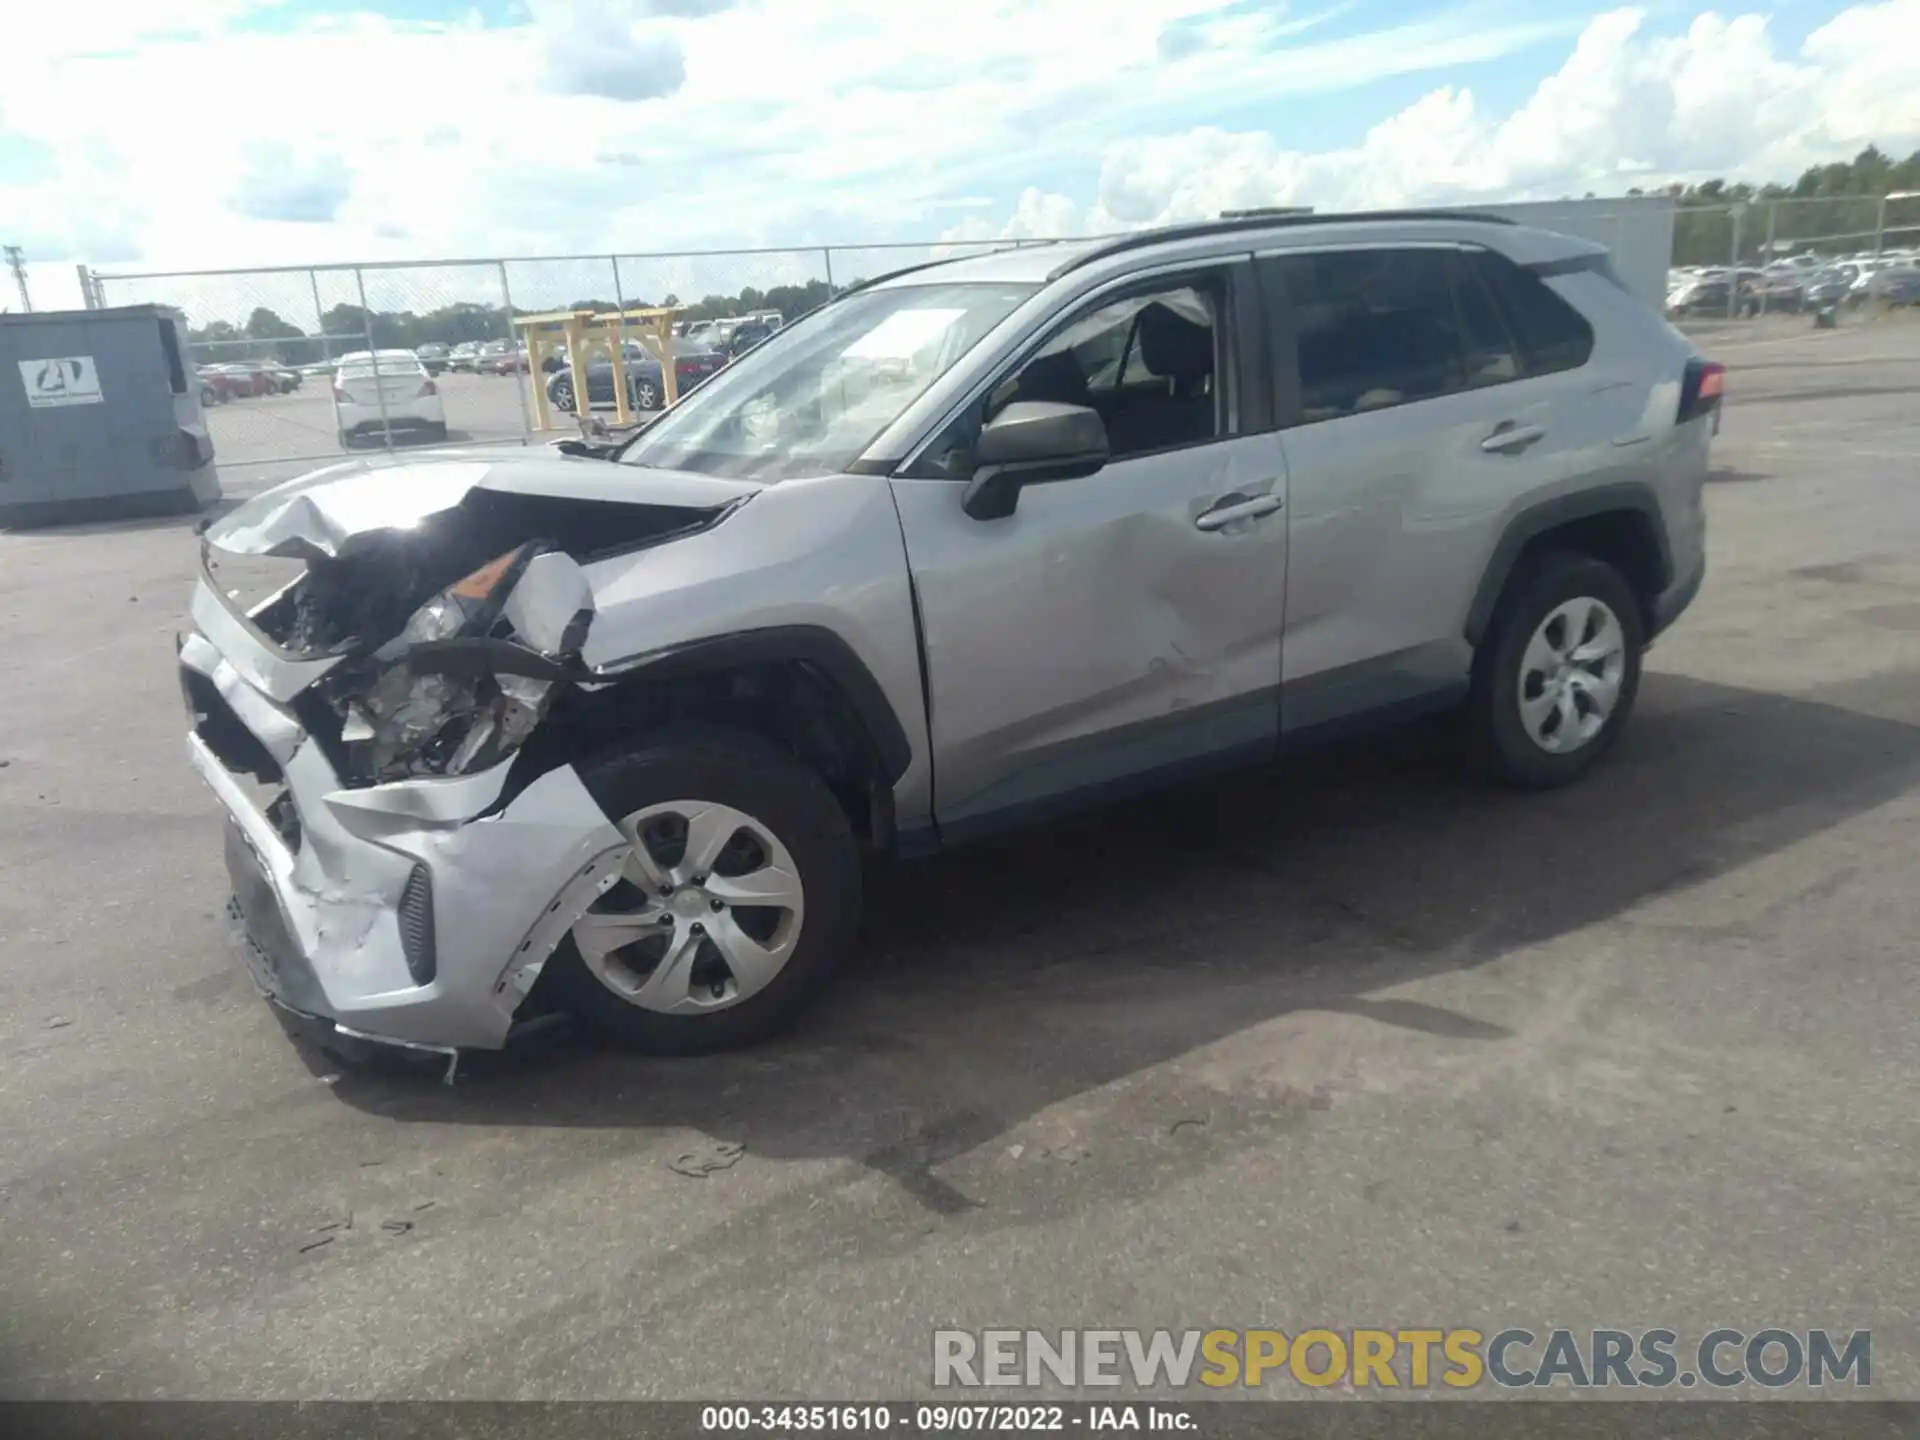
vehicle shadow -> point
(1000, 981)
(406, 440)
(1059, 1021)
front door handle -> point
(1236, 507)
(1507, 437)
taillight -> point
(429, 388)
(339, 391)
(1702, 390)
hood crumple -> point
(317, 514)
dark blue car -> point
(693, 363)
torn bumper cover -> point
(413, 912)
(393, 875)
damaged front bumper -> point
(402, 865)
(417, 913)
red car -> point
(236, 380)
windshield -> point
(810, 403)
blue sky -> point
(327, 130)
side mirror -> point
(1032, 442)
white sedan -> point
(386, 392)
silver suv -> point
(608, 728)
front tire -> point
(562, 397)
(740, 900)
(646, 395)
(1556, 674)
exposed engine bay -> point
(452, 636)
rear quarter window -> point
(1552, 334)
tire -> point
(646, 395)
(788, 803)
(1498, 737)
(562, 396)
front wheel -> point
(1556, 674)
(740, 897)
(646, 395)
(562, 396)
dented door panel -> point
(1098, 633)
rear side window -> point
(1374, 328)
(1493, 356)
(1552, 334)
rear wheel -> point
(740, 897)
(1555, 677)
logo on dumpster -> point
(63, 380)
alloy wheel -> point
(706, 912)
(1571, 675)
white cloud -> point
(1630, 105)
(594, 126)
(278, 181)
(608, 47)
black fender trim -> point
(1629, 497)
(810, 644)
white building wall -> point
(1638, 229)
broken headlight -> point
(448, 697)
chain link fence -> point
(304, 365)
(275, 348)
(1734, 246)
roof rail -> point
(1201, 229)
(944, 260)
(894, 275)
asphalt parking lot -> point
(261, 440)
(1349, 1042)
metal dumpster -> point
(100, 417)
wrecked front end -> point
(398, 875)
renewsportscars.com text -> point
(1404, 1359)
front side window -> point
(812, 403)
(1149, 365)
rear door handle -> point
(1235, 507)
(1508, 437)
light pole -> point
(17, 263)
(1738, 210)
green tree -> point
(277, 340)
(1833, 208)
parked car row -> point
(1801, 282)
(721, 334)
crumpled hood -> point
(317, 513)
